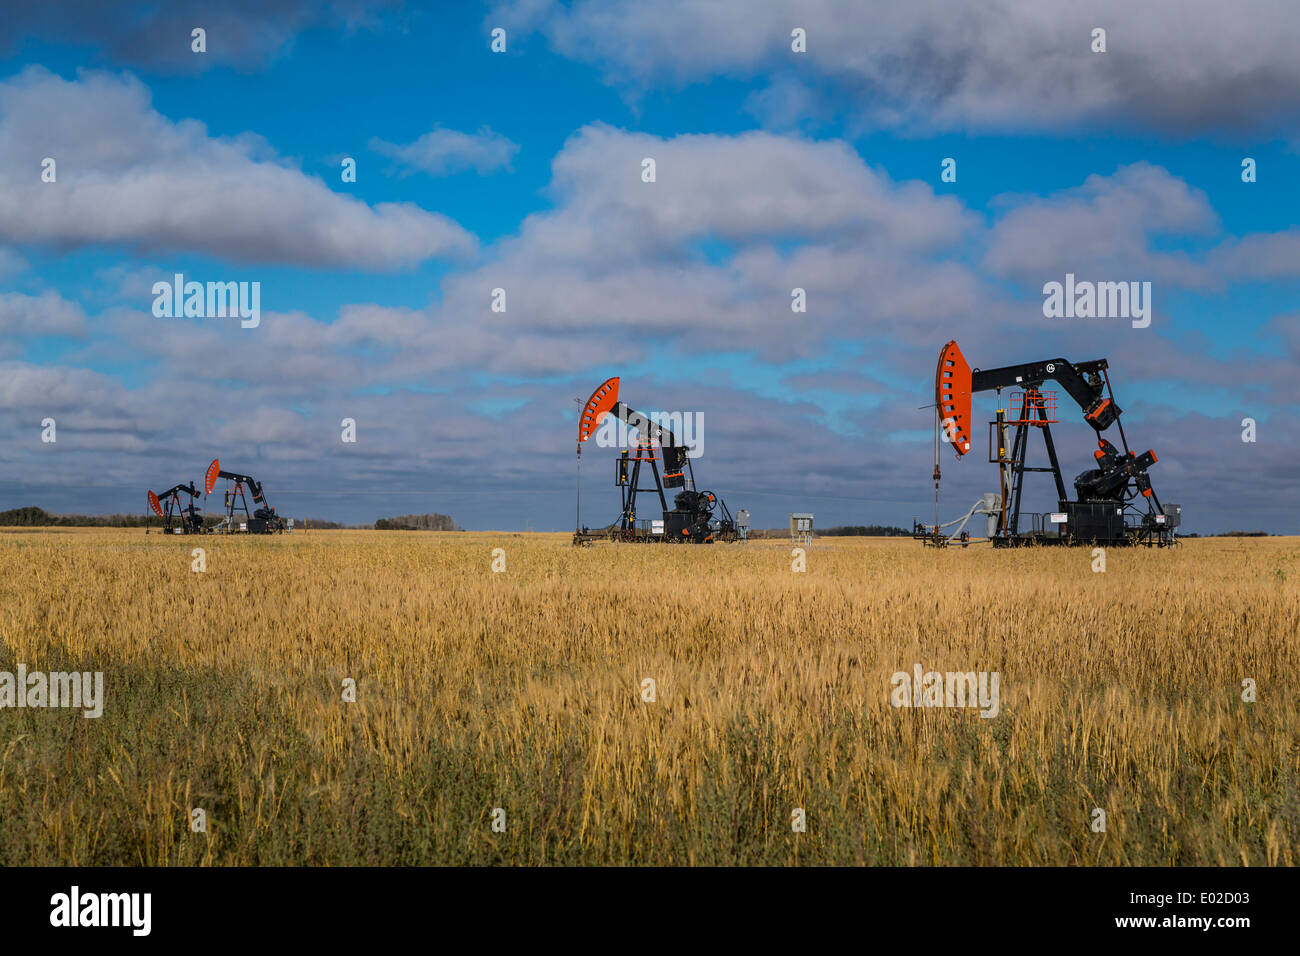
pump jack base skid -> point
(1137, 538)
(1144, 534)
(587, 537)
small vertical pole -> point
(937, 425)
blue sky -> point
(775, 169)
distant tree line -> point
(40, 518)
(873, 530)
(866, 530)
(1230, 534)
(32, 517)
(430, 522)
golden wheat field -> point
(523, 690)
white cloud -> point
(1270, 255)
(1107, 225)
(45, 314)
(748, 188)
(935, 64)
(1110, 227)
(444, 151)
(128, 176)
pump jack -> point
(698, 517)
(168, 507)
(263, 520)
(1114, 502)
